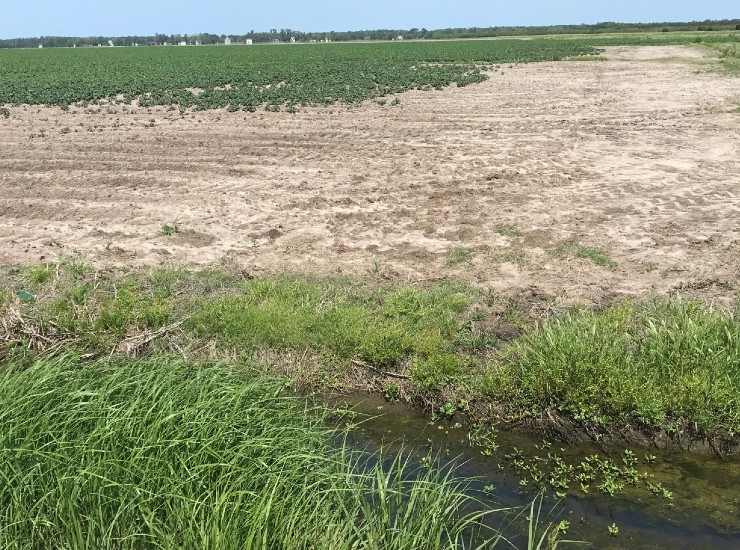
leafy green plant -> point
(169, 229)
(392, 391)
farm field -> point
(247, 78)
(551, 247)
(580, 181)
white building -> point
(250, 41)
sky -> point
(30, 18)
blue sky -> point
(21, 18)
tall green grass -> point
(656, 363)
(157, 453)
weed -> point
(169, 229)
(432, 373)
(512, 257)
(6, 296)
(506, 230)
(392, 391)
(446, 410)
(473, 340)
(77, 266)
(5, 112)
(578, 251)
(65, 130)
(78, 293)
(39, 275)
(613, 530)
(645, 363)
(460, 256)
(648, 267)
(164, 281)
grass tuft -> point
(39, 275)
(165, 454)
(506, 230)
(579, 251)
(460, 256)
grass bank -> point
(160, 453)
(669, 364)
(665, 363)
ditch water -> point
(703, 513)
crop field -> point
(245, 78)
(539, 232)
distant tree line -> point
(285, 35)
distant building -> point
(227, 41)
(399, 37)
(250, 41)
(41, 46)
(183, 43)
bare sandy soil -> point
(638, 157)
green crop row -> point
(244, 78)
